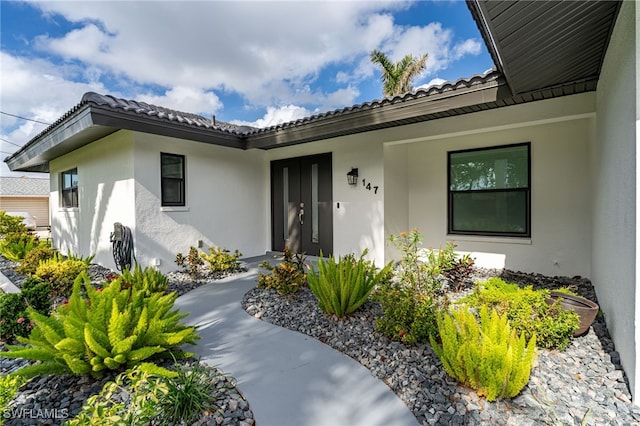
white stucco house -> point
(532, 166)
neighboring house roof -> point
(525, 74)
(23, 187)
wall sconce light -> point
(352, 176)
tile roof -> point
(24, 187)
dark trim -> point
(181, 181)
(70, 192)
(527, 191)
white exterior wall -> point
(559, 130)
(227, 201)
(105, 196)
(615, 257)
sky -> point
(258, 63)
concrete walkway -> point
(288, 378)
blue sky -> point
(248, 62)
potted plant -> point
(585, 308)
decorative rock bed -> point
(584, 383)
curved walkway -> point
(288, 378)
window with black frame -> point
(172, 179)
(69, 188)
(490, 191)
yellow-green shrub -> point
(61, 273)
(489, 357)
(527, 310)
(15, 245)
(221, 259)
(9, 386)
(32, 259)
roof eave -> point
(91, 123)
(380, 116)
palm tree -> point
(397, 77)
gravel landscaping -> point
(585, 384)
(63, 396)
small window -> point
(172, 179)
(490, 191)
(69, 184)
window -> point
(172, 179)
(69, 184)
(489, 191)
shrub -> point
(459, 272)
(13, 306)
(112, 329)
(11, 224)
(220, 259)
(488, 357)
(342, 287)
(287, 276)
(131, 399)
(527, 311)
(412, 299)
(15, 245)
(148, 280)
(191, 262)
(61, 273)
(9, 386)
(32, 259)
(408, 316)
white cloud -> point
(185, 99)
(39, 90)
(275, 116)
(434, 82)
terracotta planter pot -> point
(585, 308)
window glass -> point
(69, 192)
(172, 179)
(489, 192)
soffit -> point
(541, 44)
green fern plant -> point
(148, 280)
(487, 356)
(112, 329)
(15, 245)
(342, 287)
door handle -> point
(301, 214)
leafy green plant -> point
(527, 310)
(191, 262)
(408, 316)
(11, 224)
(15, 245)
(412, 299)
(13, 306)
(148, 280)
(489, 357)
(188, 395)
(287, 276)
(221, 259)
(142, 388)
(33, 258)
(61, 273)
(342, 287)
(9, 386)
(113, 328)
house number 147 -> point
(368, 186)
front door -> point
(301, 205)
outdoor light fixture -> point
(352, 176)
